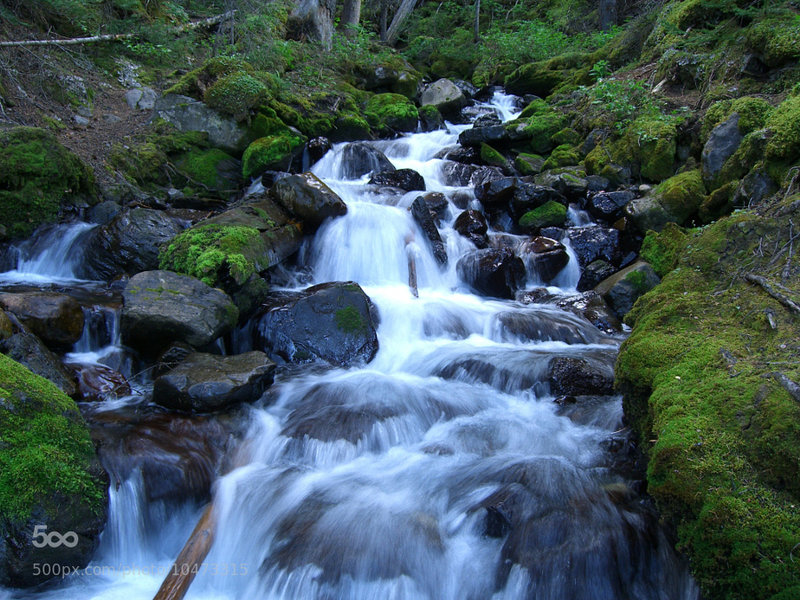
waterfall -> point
(442, 470)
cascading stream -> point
(441, 470)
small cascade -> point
(52, 254)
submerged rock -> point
(332, 322)
(206, 383)
(161, 307)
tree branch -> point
(767, 286)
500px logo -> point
(54, 539)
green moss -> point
(349, 320)
(652, 143)
(201, 166)
(37, 178)
(562, 156)
(722, 437)
(718, 203)
(535, 78)
(549, 214)
(663, 249)
(682, 194)
(537, 124)
(236, 94)
(753, 113)
(387, 113)
(777, 38)
(270, 153)
(528, 164)
(196, 82)
(429, 113)
(213, 253)
(492, 157)
(784, 123)
(566, 136)
(46, 450)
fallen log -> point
(112, 37)
(190, 559)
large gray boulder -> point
(444, 95)
(358, 159)
(161, 307)
(206, 382)
(723, 142)
(333, 322)
(128, 244)
(308, 198)
(188, 114)
(624, 288)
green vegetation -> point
(39, 176)
(388, 113)
(682, 194)
(236, 94)
(349, 320)
(549, 214)
(752, 112)
(275, 152)
(46, 452)
(562, 156)
(720, 433)
(663, 249)
(214, 254)
(492, 157)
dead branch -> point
(770, 289)
(113, 37)
(787, 384)
(787, 268)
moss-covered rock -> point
(549, 214)
(721, 433)
(535, 78)
(566, 136)
(49, 475)
(236, 95)
(273, 153)
(535, 127)
(38, 177)
(718, 203)
(389, 113)
(776, 39)
(212, 169)
(196, 82)
(650, 142)
(562, 156)
(682, 194)
(663, 249)
(784, 123)
(492, 157)
(529, 164)
(752, 112)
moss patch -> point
(663, 249)
(753, 113)
(549, 214)
(387, 113)
(236, 94)
(349, 320)
(492, 157)
(275, 153)
(784, 123)
(214, 254)
(682, 194)
(722, 436)
(46, 450)
(536, 125)
(562, 156)
(37, 178)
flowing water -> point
(441, 470)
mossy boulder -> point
(236, 95)
(272, 153)
(211, 169)
(784, 123)
(49, 475)
(562, 156)
(38, 178)
(196, 82)
(674, 200)
(701, 375)
(549, 214)
(227, 250)
(535, 127)
(776, 39)
(390, 113)
(652, 143)
(534, 78)
(662, 250)
(528, 164)
(492, 157)
(752, 111)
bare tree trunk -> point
(384, 18)
(607, 11)
(351, 15)
(477, 21)
(397, 22)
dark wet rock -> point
(529, 196)
(128, 244)
(576, 376)
(546, 325)
(492, 272)
(476, 136)
(597, 183)
(207, 383)
(29, 351)
(104, 212)
(754, 188)
(359, 159)
(593, 273)
(461, 175)
(431, 119)
(593, 242)
(622, 289)
(57, 319)
(445, 96)
(487, 120)
(459, 154)
(335, 420)
(405, 179)
(178, 456)
(161, 307)
(609, 205)
(545, 256)
(317, 148)
(437, 204)
(308, 198)
(171, 357)
(573, 185)
(496, 191)
(472, 225)
(98, 382)
(187, 114)
(469, 90)
(333, 322)
(723, 142)
(422, 215)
